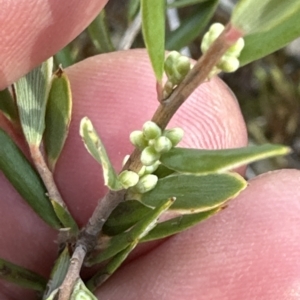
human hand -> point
(248, 251)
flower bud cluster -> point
(229, 61)
(152, 141)
(176, 67)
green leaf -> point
(21, 276)
(96, 148)
(253, 16)
(198, 161)
(153, 26)
(99, 34)
(58, 272)
(178, 224)
(65, 218)
(80, 292)
(163, 171)
(124, 216)
(32, 93)
(25, 180)
(138, 231)
(184, 3)
(192, 26)
(268, 26)
(58, 117)
(195, 193)
(101, 276)
(8, 106)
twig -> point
(76, 262)
(46, 176)
(162, 116)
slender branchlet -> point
(165, 111)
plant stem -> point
(46, 176)
(167, 108)
(76, 262)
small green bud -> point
(142, 171)
(151, 130)
(152, 168)
(138, 140)
(175, 135)
(229, 64)
(168, 89)
(205, 43)
(162, 144)
(149, 156)
(170, 60)
(146, 183)
(236, 49)
(176, 67)
(128, 178)
(215, 30)
(183, 65)
(213, 33)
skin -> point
(248, 251)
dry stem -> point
(46, 176)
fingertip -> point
(35, 30)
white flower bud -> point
(146, 183)
(149, 156)
(151, 130)
(175, 135)
(128, 178)
(162, 144)
(138, 140)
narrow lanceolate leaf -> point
(80, 292)
(21, 276)
(32, 93)
(25, 180)
(100, 277)
(8, 106)
(195, 193)
(99, 34)
(197, 161)
(96, 148)
(153, 26)
(65, 218)
(178, 224)
(58, 117)
(267, 25)
(58, 272)
(124, 216)
(184, 3)
(192, 26)
(138, 231)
